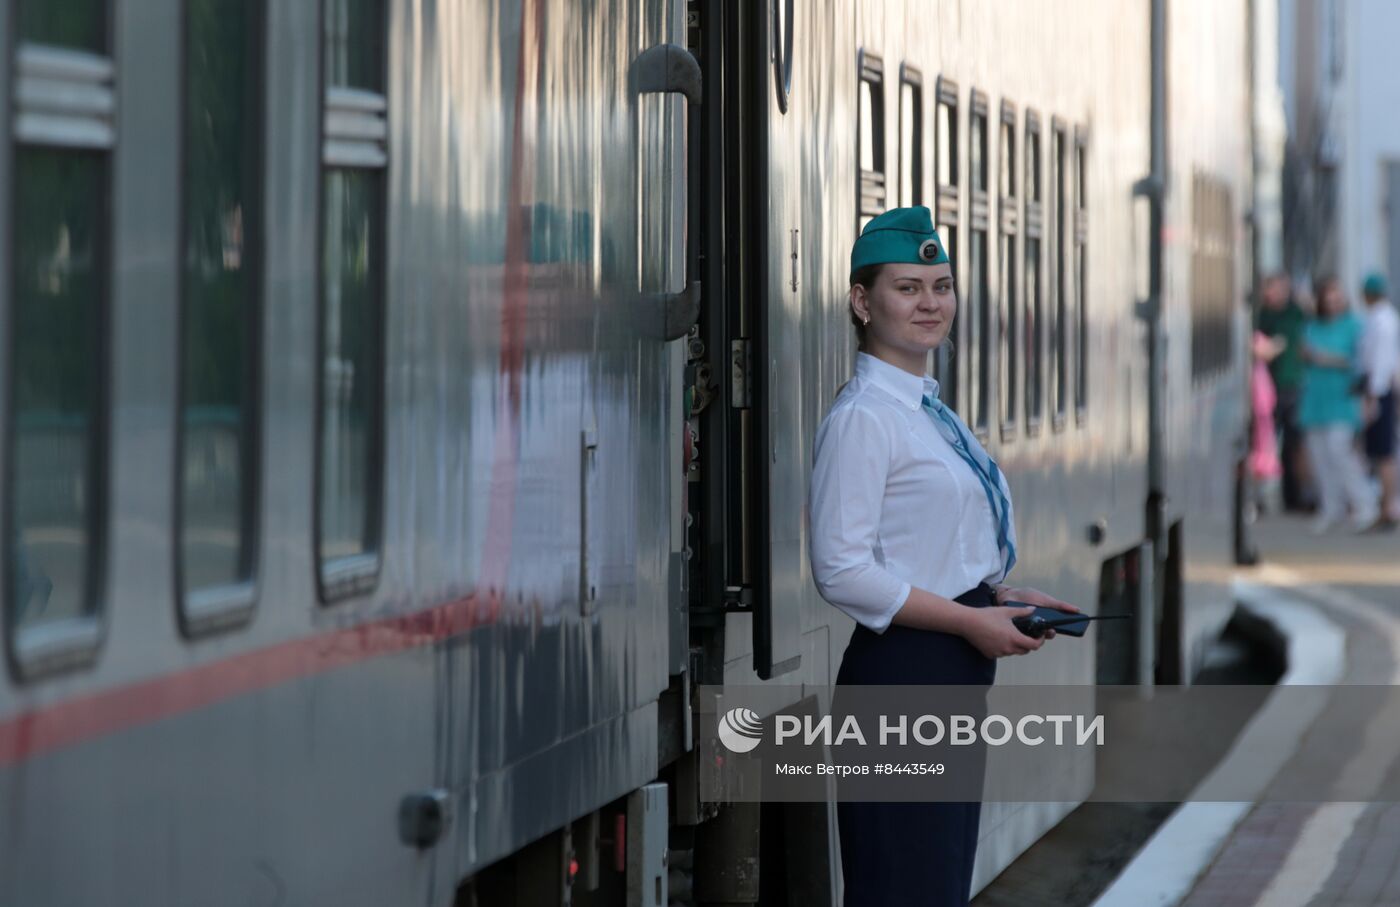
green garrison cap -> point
(1374, 285)
(900, 235)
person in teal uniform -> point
(1329, 411)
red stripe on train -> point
(86, 717)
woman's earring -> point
(867, 319)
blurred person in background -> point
(1264, 466)
(1329, 410)
(1281, 319)
(1380, 357)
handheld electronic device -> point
(1035, 624)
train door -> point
(741, 431)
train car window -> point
(354, 49)
(1059, 326)
(867, 126)
(74, 24)
(946, 212)
(220, 308)
(1212, 275)
(977, 153)
(1081, 275)
(911, 136)
(1081, 162)
(56, 414)
(1035, 184)
(1006, 161)
(947, 128)
(979, 309)
(870, 137)
(1009, 301)
(350, 411)
(1033, 329)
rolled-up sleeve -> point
(850, 463)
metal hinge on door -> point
(740, 367)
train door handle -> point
(671, 69)
(667, 68)
(679, 311)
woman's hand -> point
(993, 634)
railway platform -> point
(1335, 600)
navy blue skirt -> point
(906, 854)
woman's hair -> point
(866, 277)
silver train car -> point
(409, 403)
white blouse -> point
(1380, 348)
(891, 504)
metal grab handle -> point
(678, 311)
(667, 68)
(670, 68)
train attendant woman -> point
(911, 534)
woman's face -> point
(911, 307)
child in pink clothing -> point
(1264, 463)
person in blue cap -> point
(912, 534)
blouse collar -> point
(907, 389)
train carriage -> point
(408, 403)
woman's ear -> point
(859, 303)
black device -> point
(1036, 623)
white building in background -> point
(1339, 66)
